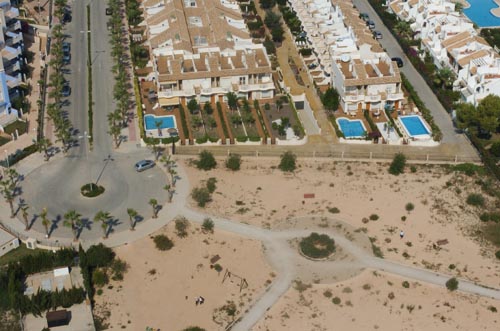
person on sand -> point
(401, 234)
(202, 300)
(197, 301)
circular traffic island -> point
(317, 246)
(91, 190)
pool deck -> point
(496, 11)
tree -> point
(154, 204)
(267, 4)
(409, 207)
(452, 284)
(132, 214)
(201, 195)
(73, 221)
(232, 100)
(103, 218)
(193, 106)
(330, 99)
(488, 112)
(288, 162)
(279, 104)
(207, 108)
(466, 115)
(398, 164)
(207, 225)
(172, 174)
(181, 226)
(45, 222)
(403, 29)
(158, 127)
(277, 34)
(495, 149)
(24, 210)
(233, 162)
(8, 191)
(206, 161)
(170, 191)
(42, 146)
(153, 143)
(115, 132)
(196, 122)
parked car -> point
(377, 34)
(66, 90)
(66, 58)
(66, 47)
(398, 61)
(66, 17)
(144, 165)
(364, 16)
(370, 24)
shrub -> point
(100, 278)
(484, 217)
(201, 195)
(317, 245)
(374, 217)
(327, 293)
(118, 268)
(475, 199)
(288, 162)
(181, 226)
(193, 328)
(495, 149)
(409, 207)
(413, 169)
(233, 162)
(452, 284)
(163, 243)
(398, 164)
(469, 169)
(497, 254)
(207, 225)
(211, 184)
(406, 284)
(206, 161)
(99, 256)
(336, 300)
(334, 210)
(218, 267)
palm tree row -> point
(120, 116)
(56, 82)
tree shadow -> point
(33, 220)
(138, 219)
(55, 224)
(112, 223)
(85, 224)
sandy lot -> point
(262, 195)
(165, 298)
(375, 300)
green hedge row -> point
(338, 132)
(388, 114)
(138, 105)
(373, 127)
(157, 141)
(221, 116)
(261, 119)
(184, 122)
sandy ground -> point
(260, 194)
(375, 300)
(166, 299)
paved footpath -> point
(280, 254)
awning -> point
(168, 101)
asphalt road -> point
(56, 185)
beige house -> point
(201, 49)
(8, 242)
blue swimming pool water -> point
(479, 13)
(414, 125)
(351, 129)
(166, 122)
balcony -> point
(373, 98)
(255, 87)
(10, 53)
(13, 39)
(354, 97)
(14, 81)
(13, 67)
(395, 96)
(214, 90)
(14, 26)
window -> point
(243, 80)
(189, 3)
(195, 21)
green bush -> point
(495, 149)
(469, 169)
(184, 124)
(497, 254)
(163, 243)
(406, 284)
(452, 284)
(211, 184)
(374, 217)
(398, 164)
(334, 210)
(336, 300)
(233, 162)
(242, 139)
(100, 278)
(98, 256)
(288, 162)
(475, 199)
(317, 245)
(409, 207)
(206, 161)
(193, 328)
(181, 226)
(201, 195)
(207, 225)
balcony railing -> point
(354, 97)
(395, 96)
(255, 87)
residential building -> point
(11, 50)
(202, 49)
(8, 242)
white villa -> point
(452, 41)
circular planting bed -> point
(91, 190)
(317, 246)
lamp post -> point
(86, 137)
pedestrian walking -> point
(401, 234)
(202, 300)
(197, 301)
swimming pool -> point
(414, 126)
(479, 12)
(351, 128)
(167, 122)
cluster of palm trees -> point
(246, 114)
(9, 187)
(56, 81)
(120, 116)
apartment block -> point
(202, 49)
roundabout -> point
(317, 246)
(91, 190)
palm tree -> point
(168, 188)
(279, 103)
(24, 209)
(45, 222)
(154, 205)
(167, 160)
(13, 176)
(103, 217)
(7, 190)
(72, 220)
(132, 214)
(42, 145)
(172, 173)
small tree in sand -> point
(103, 218)
(132, 214)
(170, 191)
(206, 161)
(154, 204)
(72, 220)
(181, 226)
(288, 162)
(207, 225)
(398, 164)
(452, 284)
(409, 207)
(233, 162)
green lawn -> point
(19, 125)
(17, 254)
(3, 140)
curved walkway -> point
(279, 252)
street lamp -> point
(86, 136)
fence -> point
(337, 155)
